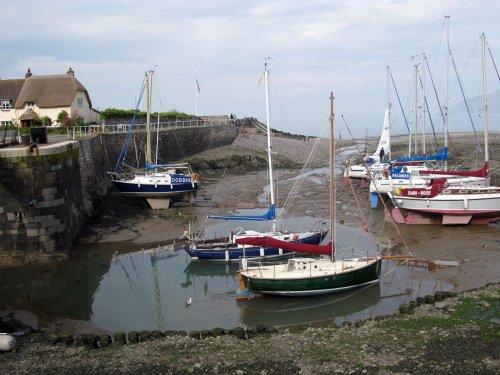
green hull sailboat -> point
(306, 276)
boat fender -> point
(262, 252)
(7, 342)
(226, 256)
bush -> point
(61, 117)
(114, 113)
(45, 121)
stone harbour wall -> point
(99, 154)
(40, 198)
(48, 192)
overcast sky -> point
(315, 46)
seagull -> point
(189, 301)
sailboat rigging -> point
(227, 249)
(157, 183)
(440, 203)
(305, 276)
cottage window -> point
(79, 102)
(4, 104)
(5, 123)
(30, 104)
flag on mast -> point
(197, 85)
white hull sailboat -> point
(420, 176)
(440, 203)
(372, 162)
(410, 175)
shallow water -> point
(119, 289)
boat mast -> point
(447, 20)
(423, 104)
(416, 108)
(149, 87)
(269, 148)
(389, 108)
(485, 101)
(332, 182)
(158, 132)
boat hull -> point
(314, 284)
(154, 190)
(448, 208)
(232, 252)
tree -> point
(62, 117)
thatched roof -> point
(51, 91)
(10, 89)
(29, 114)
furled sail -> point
(270, 215)
(440, 156)
(286, 245)
(483, 172)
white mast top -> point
(389, 108)
(332, 175)
(269, 147)
(424, 110)
(447, 19)
(485, 101)
(416, 108)
(149, 88)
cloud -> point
(315, 47)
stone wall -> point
(41, 207)
(48, 193)
(98, 155)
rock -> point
(404, 308)
(441, 305)
(119, 338)
(105, 341)
(133, 337)
(7, 342)
(429, 299)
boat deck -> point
(306, 267)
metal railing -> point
(75, 132)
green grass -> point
(483, 311)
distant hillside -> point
(459, 119)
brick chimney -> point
(28, 74)
(70, 72)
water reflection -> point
(287, 311)
(147, 290)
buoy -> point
(7, 342)
(373, 200)
(345, 179)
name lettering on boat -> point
(404, 176)
(181, 179)
(421, 193)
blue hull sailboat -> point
(157, 183)
(226, 249)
